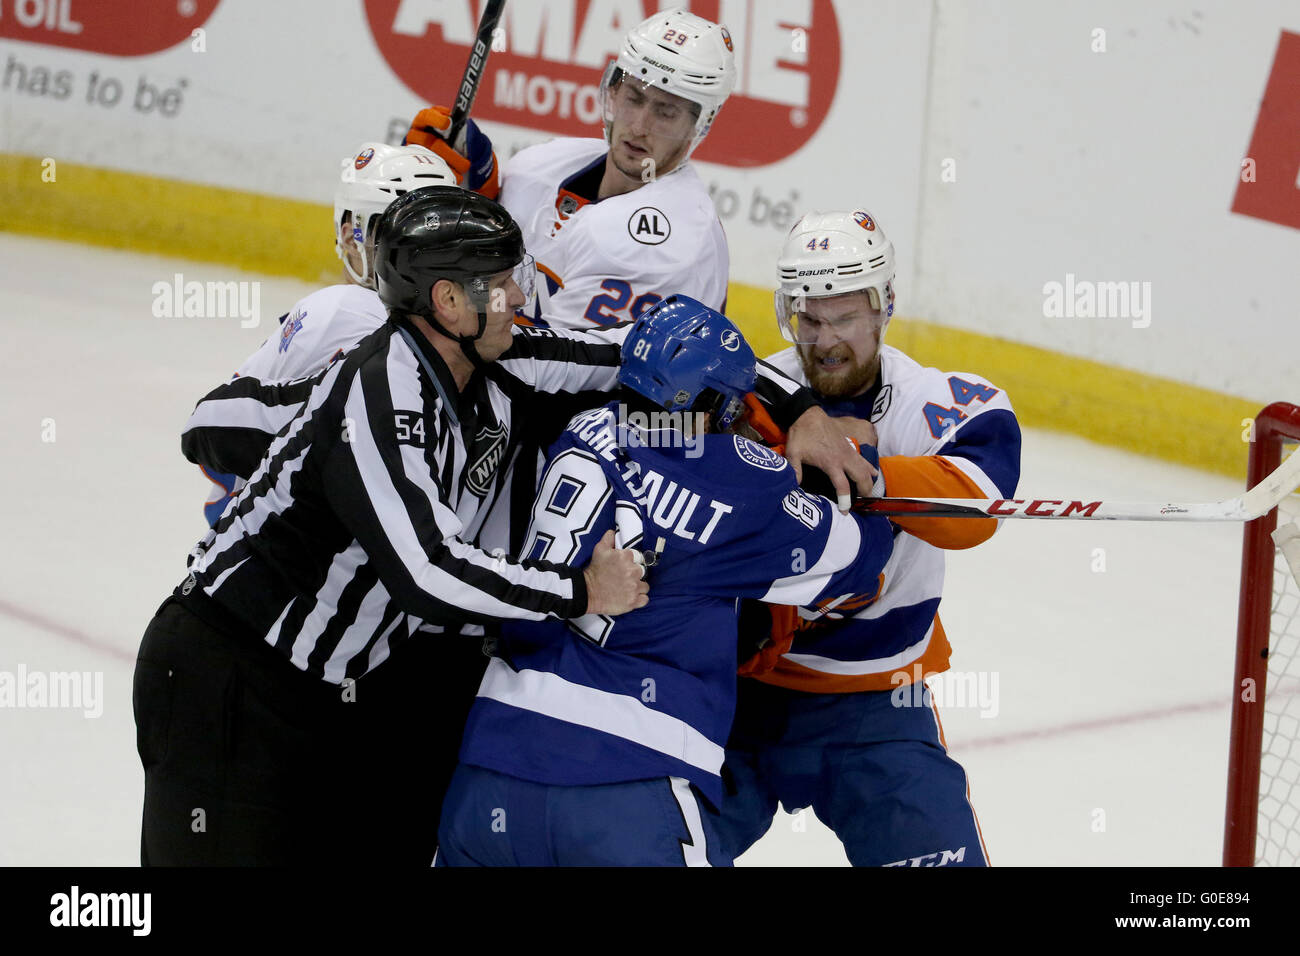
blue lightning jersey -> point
(651, 693)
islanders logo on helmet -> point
(726, 38)
(863, 220)
(363, 157)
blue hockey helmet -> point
(679, 351)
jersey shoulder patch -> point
(314, 331)
(649, 225)
(759, 456)
(674, 213)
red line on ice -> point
(62, 630)
(1286, 689)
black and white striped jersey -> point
(353, 528)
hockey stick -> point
(1260, 500)
(473, 77)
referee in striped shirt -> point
(269, 729)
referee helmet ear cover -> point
(679, 350)
(443, 232)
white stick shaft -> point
(1260, 500)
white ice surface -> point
(1109, 745)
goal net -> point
(1262, 825)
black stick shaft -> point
(473, 77)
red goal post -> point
(1262, 822)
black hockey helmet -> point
(443, 232)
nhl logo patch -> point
(760, 456)
(432, 220)
(478, 476)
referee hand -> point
(614, 584)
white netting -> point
(1278, 836)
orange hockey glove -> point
(471, 157)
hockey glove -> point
(471, 157)
(816, 482)
(766, 632)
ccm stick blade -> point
(1258, 501)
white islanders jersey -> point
(318, 329)
(941, 435)
(315, 331)
(608, 261)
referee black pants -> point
(249, 761)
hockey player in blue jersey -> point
(600, 741)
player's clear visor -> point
(799, 327)
(634, 109)
(497, 292)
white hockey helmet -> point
(831, 253)
(372, 179)
(681, 54)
